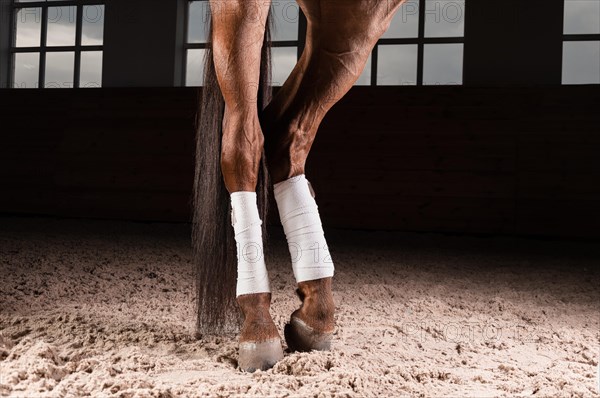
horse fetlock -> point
(258, 324)
(318, 307)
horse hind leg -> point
(238, 27)
(340, 37)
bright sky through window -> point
(581, 45)
(47, 50)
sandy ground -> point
(99, 308)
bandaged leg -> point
(252, 272)
(303, 230)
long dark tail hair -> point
(214, 248)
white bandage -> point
(303, 230)
(252, 274)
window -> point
(581, 42)
(285, 40)
(423, 46)
(57, 44)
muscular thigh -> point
(238, 30)
(349, 17)
(341, 35)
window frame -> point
(43, 49)
(420, 41)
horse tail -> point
(213, 241)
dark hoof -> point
(263, 356)
(301, 337)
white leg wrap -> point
(252, 272)
(303, 230)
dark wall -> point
(143, 49)
(477, 160)
(513, 42)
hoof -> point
(263, 356)
(301, 337)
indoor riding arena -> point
(456, 172)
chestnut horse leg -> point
(238, 29)
(340, 37)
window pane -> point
(92, 29)
(287, 15)
(442, 64)
(61, 26)
(197, 22)
(284, 60)
(444, 18)
(365, 78)
(59, 69)
(405, 22)
(195, 67)
(581, 62)
(29, 27)
(90, 75)
(26, 72)
(397, 65)
(582, 16)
